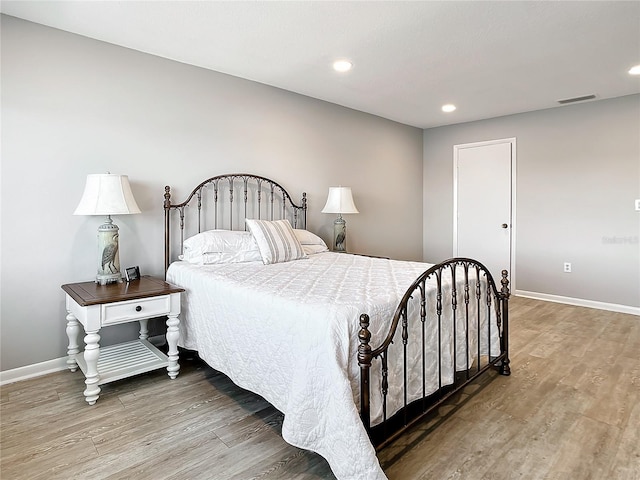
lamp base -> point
(104, 279)
(108, 256)
(339, 235)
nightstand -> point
(96, 306)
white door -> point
(484, 200)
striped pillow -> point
(276, 241)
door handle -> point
(504, 225)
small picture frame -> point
(132, 273)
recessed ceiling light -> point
(449, 107)
(342, 65)
(635, 70)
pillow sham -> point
(220, 246)
(276, 241)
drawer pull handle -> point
(138, 308)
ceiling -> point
(490, 58)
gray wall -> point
(73, 106)
(578, 173)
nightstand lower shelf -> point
(125, 359)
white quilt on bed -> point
(288, 332)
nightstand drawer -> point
(121, 312)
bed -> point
(352, 349)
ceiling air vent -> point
(576, 99)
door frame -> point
(512, 236)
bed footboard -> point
(453, 310)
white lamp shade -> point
(340, 201)
(107, 194)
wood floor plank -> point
(529, 452)
(46, 459)
(171, 462)
(626, 464)
(585, 451)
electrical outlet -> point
(567, 267)
(637, 204)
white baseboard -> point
(31, 371)
(612, 307)
(51, 366)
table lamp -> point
(107, 194)
(340, 201)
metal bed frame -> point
(494, 301)
(238, 196)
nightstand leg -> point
(173, 334)
(144, 330)
(73, 329)
(91, 355)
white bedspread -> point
(289, 333)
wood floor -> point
(570, 410)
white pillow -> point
(276, 241)
(311, 243)
(220, 246)
(313, 249)
(305, 237)
(241, 256)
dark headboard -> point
(223, 202)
